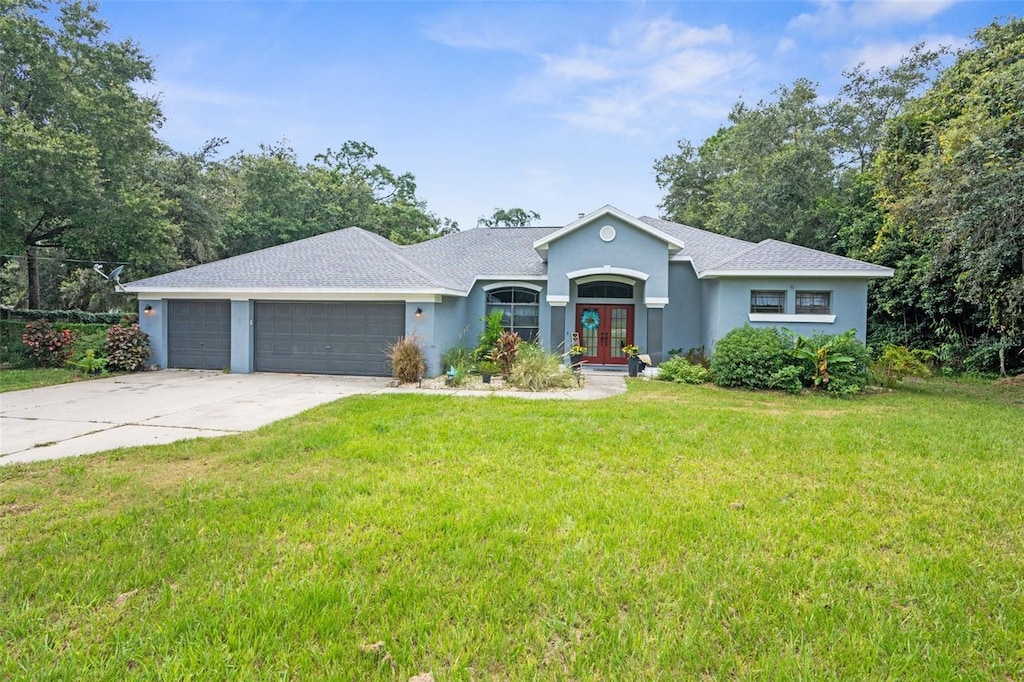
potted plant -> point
(487, 370)
(631, 351)
(576, 354)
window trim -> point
(813, 310)
(512, 305)
(765, 309)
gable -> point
(607, 216)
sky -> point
(559, 108)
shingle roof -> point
(350, 258)
(356, 259)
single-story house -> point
(330, 304)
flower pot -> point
(575, 360)
(634, 365)
(486, 378)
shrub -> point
(504, 352)
(73, 316)
(127, 348)
(750, 357)
(90, 338)
(407, 363)
(89, 363)
(897, 363)
(835, 363)
(681, 371)
(537, 370)
(488, 338)
(461, 359)
(49, 347)
(790, 378)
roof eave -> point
(881, 273)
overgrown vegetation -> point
(535, 369)
(896, 363)
(680, 370)
(407, 361)
(674, 532)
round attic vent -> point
(607, 233)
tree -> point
(764, 176)
(952, 169)
(77, 138)
(513, 217)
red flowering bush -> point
(127, 348)
(48, 346)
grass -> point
(675, 532)
(20, 379)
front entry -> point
(604, 329)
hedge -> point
(13, 351)
(69, 316)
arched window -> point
(521, 310)
(604, 289)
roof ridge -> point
(718, 263)
(394, 249)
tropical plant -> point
(835, 363)
(488, 368)
(127, 347)
(49, 347)
(537, 370)
(493, 329)
(504, 352)
(681, 371)
(459, 358)
(407, 361)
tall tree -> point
(77, 139)
(952, 170)
(512, 217)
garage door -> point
(199, 334)
(326, 338)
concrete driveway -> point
(156, 407)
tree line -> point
(84, 177)
(915, 167)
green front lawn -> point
(671, 533)
(19, 379)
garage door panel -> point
(326, 337)
(198, 334)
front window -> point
(520, 308)
(813, 302)
(604, 290)
(767, 301)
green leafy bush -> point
(681, 371)
(899, 362)
(127, 348)
(89, 363)
(49, 347)
(91, 338)
(537, 370)
(74, 316)
(407, 363)
(790, 378)
(750, 357)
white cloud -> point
(875, 55)
(834, 16)
(785, 45)
(878, 12)
(455, 30)
(645, 74)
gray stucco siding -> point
(731, 304)
(683, 324)
(631, 249)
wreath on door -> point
(590, 320)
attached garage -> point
(198, 334)
(326, 337)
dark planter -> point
(634, 365)
(486, 378)
(575, 360)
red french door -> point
(604, 329)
